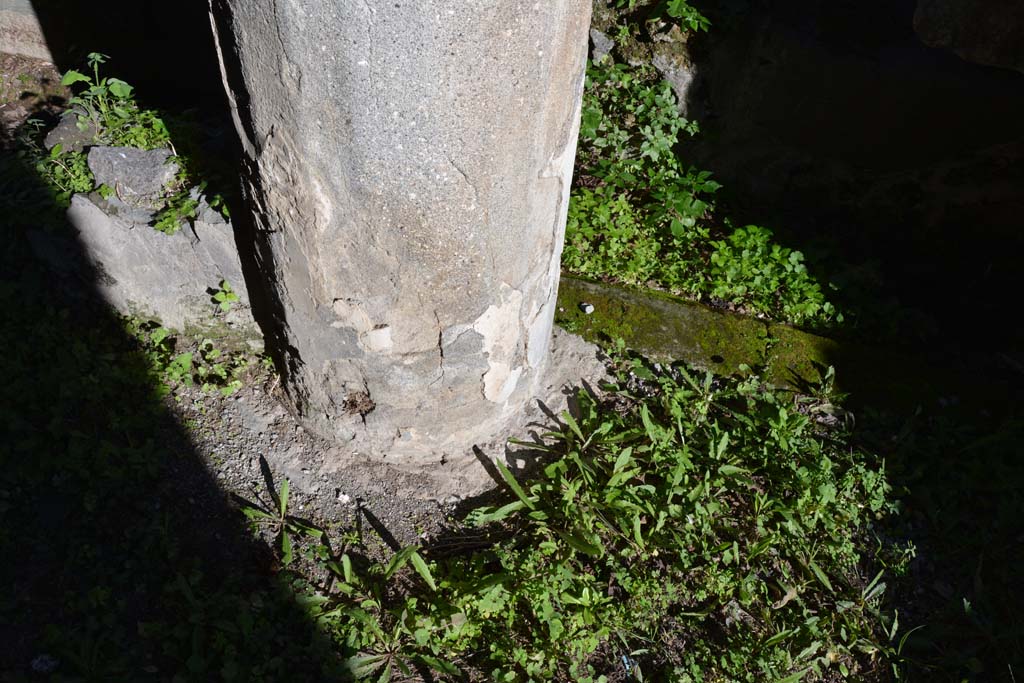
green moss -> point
(797, 358)
(228, 337)
(660, 325)
(874, 376)
(666, 328)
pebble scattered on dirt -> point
(331, 487)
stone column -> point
(20, 30)
(409, 165)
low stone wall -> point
(20, 31)
(112, 247)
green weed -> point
(686, 527)
(177, 362)
(224, 296)
(64, 172)
(679, 10)
(686, 14)
(748, 268)
(107, 106)
(282, 524)
(709, 507)
(68, 172)
(180, 208)
(637, 215)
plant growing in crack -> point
(107, 106)
(224, 296)
(639, 216)
(218, 370)
(106, 110)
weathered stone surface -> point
(20, 30)
(665, 47)
(69, 136)
(409, 170)
(670, 55)
(601, 45)
(140, 271)
(138, 177)
(989, 33)
(680, 74)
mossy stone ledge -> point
(667, 328)
(660, 326)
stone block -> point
(138, 177)
(140, 271)
(69, 135)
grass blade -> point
(398, 561)
(625, 457)
(422, 569)
(571, 421)
(820, 574)
(577, 542)
(499, 514)
(346, 568)
(286, 547)
(510, 479)
(283, 498)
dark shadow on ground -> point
(893, 166)
(959, 475)
(165, 50)
(897, 169)
(122, 559)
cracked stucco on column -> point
(408, 166)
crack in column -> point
(465, 177)
(440, 349)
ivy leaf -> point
(119, 88)
(72, 77)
